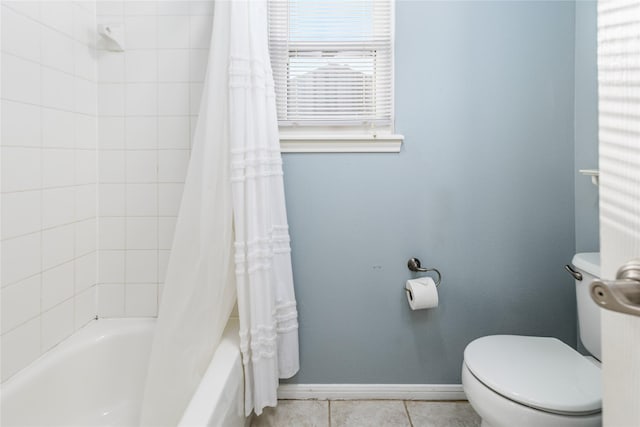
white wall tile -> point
(111, 266)
(111, 200)
(48, 173)
(58, 128)
(142, 266)
(173, 32)
(85, 99)
(57, 324)
(141, 66)
(142, 199)
(112, 233)
(57, 285)
(84, 23)
(163, 262)
(20, 79)
(200, 31)
(158, 69)
(195, 90)
(111, 67)
(20, 347)
(58, 245)
(173, 65)
(142, 233)
(84, 64)
(111, 300)
(173, 165)
(21, 258)
(85, 307)
(140, 32)
(111, 132)
(142, 99)
(86, 132)
(142, 133)
(166, 229)
(85, 167)
(86, 236)
(30, 9)
(57, 89)
(57, 50)
(110, 99)
(58, 167)
(86, 268)
(58, 206)
(169, 197)
(133, 7)
(110, 7)
(142, 166)
(173, 132)
(201, 7)
(141, 300)
(169, 7)
(198, 64)
(20, 302)
(173, 99)
(20, 35)
(21, 124)
(86, 201)
(59, 15)
(112, 166)
(193, 122)
(21, 213)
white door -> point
(619, 121)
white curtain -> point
(199, 288)
(266, 301)
(235, 173)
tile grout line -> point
(329, 413)
(157, 158)
(41, 113)
(406, 410)
(126, 159)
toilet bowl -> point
(525, 381)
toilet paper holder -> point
(414, 265)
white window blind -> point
(332, 62)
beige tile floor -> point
(367, 413)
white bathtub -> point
(95, 378)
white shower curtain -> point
(266, 302)
(235, 175)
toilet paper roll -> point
(422, 293)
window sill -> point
(340, 143)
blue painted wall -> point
(483, 189)
(586, 125)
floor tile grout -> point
(368, 412)
(406, 410)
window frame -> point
(356, 138)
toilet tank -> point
(588, 311)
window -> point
(332, 65)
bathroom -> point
(492, 113)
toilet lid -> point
(540, 372)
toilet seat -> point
(539, 372)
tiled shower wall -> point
(95, 145)
(49, 138)
(147, 105)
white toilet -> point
(523, 381)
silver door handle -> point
(623, 294)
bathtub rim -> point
(212, 387)
(93, 332)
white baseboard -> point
(372, 391)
